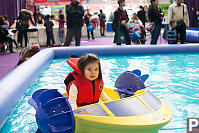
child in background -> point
(171, 34)
(61, 21)
(87, 20)
(49, 31)
(136, 20)
(85, 85)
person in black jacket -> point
(120, 21)
(49, 31)
(142, 15)
(22, 25)
(75, 13)
(155, 16)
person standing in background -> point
(75, 13)
(87, 20)
(102, 18)
(36, 15)
(179, 12)
(49, 31)
(142, 15)
(61, 21)
(155, 15)
(22, 25)
(111, 17)
(120, 25)
(196, 17)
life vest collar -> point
(73, 63)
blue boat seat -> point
(129, 82)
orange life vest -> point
(88, 91)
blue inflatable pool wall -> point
(192, 35)
(15, 84)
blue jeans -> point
(61, 35)
(155, 34)
(50, 36)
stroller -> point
(137, 33)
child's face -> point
(91, 71)
(134, 16)
(174, 25)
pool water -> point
(173, 78)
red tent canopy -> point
(51, 2)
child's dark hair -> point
(171, 22)
(120, 1)
(152, 1)
(48, 17)
(87, 59)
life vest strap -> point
(84, 104)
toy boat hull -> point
(123, 115)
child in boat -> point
(85, 85)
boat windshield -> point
(132, 106)
(128, 107)
(150, 99)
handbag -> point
(90, 27)
(150, 27)
(134, 35)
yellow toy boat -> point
(141, 113)
(132, 109)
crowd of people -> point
(76, 17)
(177, 13)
